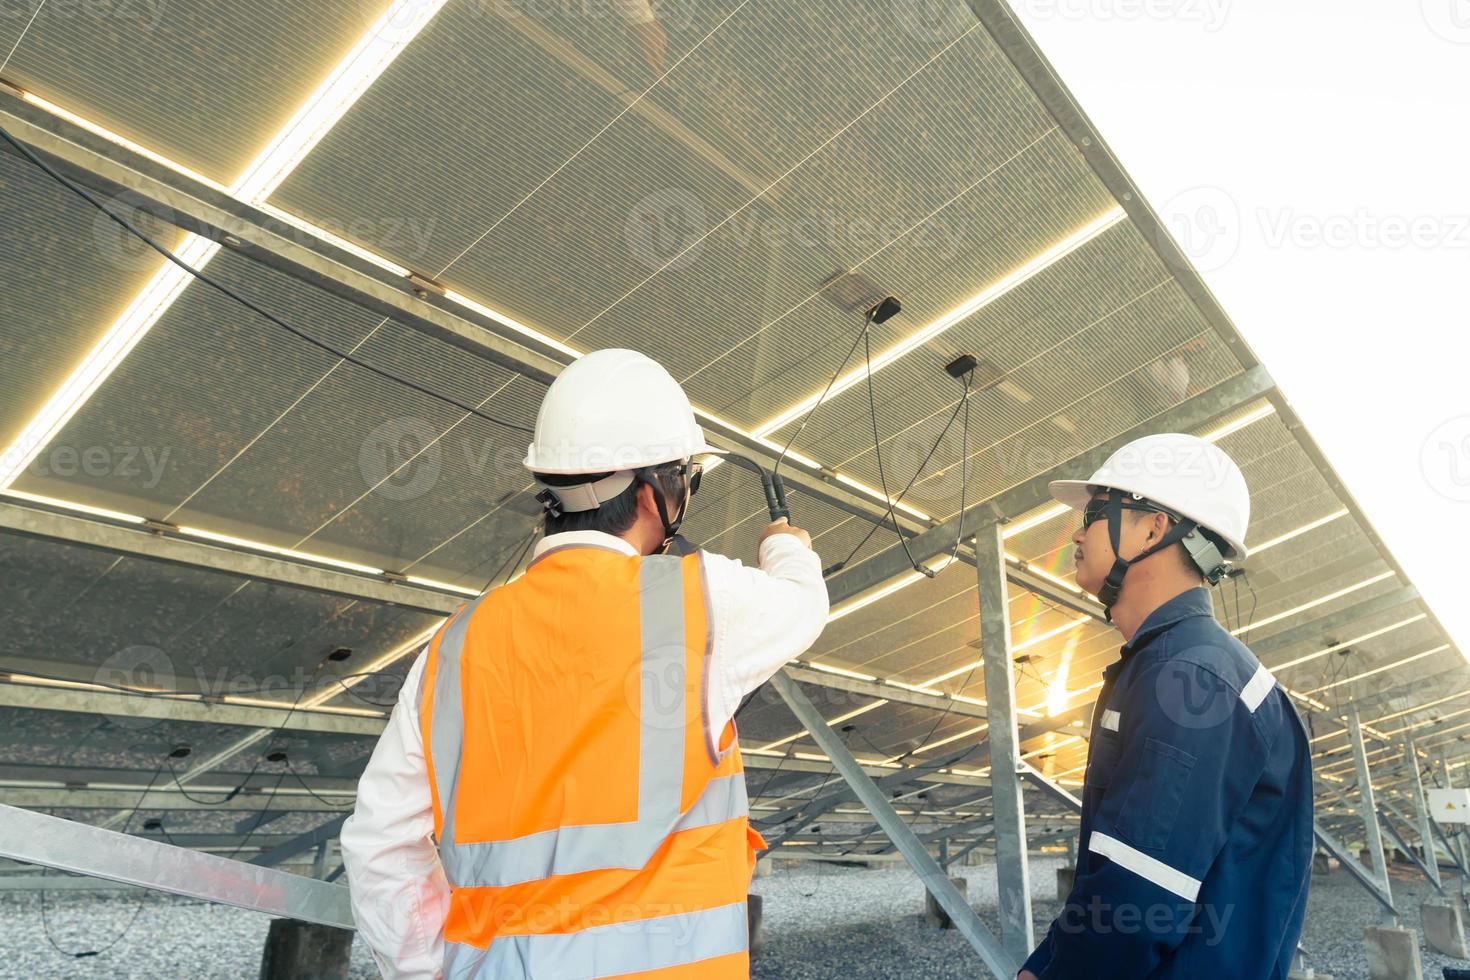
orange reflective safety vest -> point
(589, 823)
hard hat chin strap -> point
(671, 526)
(1113, 584)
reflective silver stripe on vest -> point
(446, 727)
(604, 951)
(570, 850)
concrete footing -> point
(1444, 928)
(934, 914)
(303, 951)
(974, 859)
(1323, 863)
(1393, 954)
(755, 928)
(763, 867)
(1065, 877)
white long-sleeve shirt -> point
(761, 618)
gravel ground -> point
(831, 921)
(172, 938)
(822, 921)
(1338, 908)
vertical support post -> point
(944, 853)
(1426, 832)
(996, 956)
(319, 866)
(1367, 808)
(1012, 874)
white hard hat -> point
(613, 410)
(1183, 473)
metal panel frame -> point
(164, 546)
(117, 704)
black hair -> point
(614, 516)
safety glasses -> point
(1098, 508)
(687, 470)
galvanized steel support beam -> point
(1013, 876)
(1001, 962)
(1056, 791)
(1421, 808)
(1410, 852)
(1367, 809)
(1362, 874)
(52, 842)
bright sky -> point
(1313, 159)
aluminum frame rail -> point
(65, 845)
(995, 955)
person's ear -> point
(1159, 526)
(646, 503)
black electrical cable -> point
(1250, 617)
(259, 817)
(314, 795)
(351, 692)
(774, 773)
(878, 454)
(309, 338)
(230, 795)
(520, 556)
(867, 322)
(963, 403)
(164, 831)
(270, 741)
(959, 537)
(137, 909)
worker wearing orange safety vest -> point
(559, 792)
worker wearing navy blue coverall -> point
(1196, 833)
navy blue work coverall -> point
(1196, 836)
